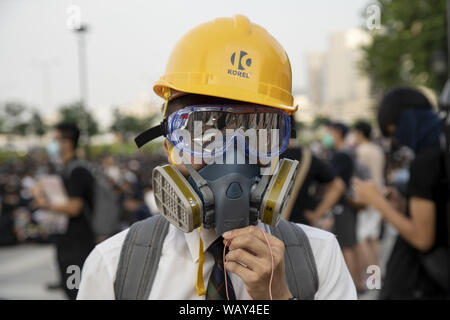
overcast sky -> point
(129, 41)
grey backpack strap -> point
(72, 165)
(300, 265)
(139, 258)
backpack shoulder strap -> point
(300, 265)
(139, 258)
(77, 163)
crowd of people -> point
(27, 216)
(366, 189)
(326, 198)
(358, 185)
(129, 177)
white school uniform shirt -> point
(177, 270)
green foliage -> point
(123, 149)
(319, 121)
(83, 118)
(403, 51)
(17, 118)
(8, 156)
(129, 126)
(36, 124)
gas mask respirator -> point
(223, 196)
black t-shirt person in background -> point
(426, 182)
(406, 116)
(74, 246)
(308, 208)
(79, 184)
(76, 243)
(344, 216)
(342, 161)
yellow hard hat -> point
(230, 58)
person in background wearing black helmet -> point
(418, 267)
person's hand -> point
(366, 192)
(36, 190)
(40, 200)
(325, 223)
(41, 203)
(249, 258)
(396, 199)
(312, 217)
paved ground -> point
(25, 270)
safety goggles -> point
(210, 130)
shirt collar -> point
(192, 240)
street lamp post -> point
(82, 75)
(448, 38)
(82, 63)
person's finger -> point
(248, 242)
(247, 275)
(356, 181)
(256, 232)
(242, 256)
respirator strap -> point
(207, 194)
(151, 134)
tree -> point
(17, 118)
(412, 37)
(36, 125)
(129, 126)
(13, 114)
(319, 121)
(84, 119)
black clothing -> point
(344, 225)
(77, 242)
(344, 216)
(343, 164)
(406, 278)
(319, 173)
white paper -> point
(55, 191)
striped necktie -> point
(216, 284)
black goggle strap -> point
(158, 131)
(152, 133)
(293, 129)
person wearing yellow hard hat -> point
(227, 92)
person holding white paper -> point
(75, 244)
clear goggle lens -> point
(209, 131)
